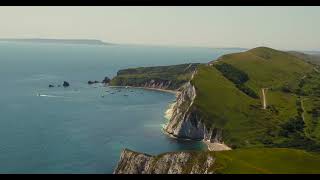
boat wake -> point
(51, 96)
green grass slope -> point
(226, 98)
(267, 67)
(267, 161)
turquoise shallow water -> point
(75, 130)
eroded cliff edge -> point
(168, 163)
(186, 120)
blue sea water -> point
(75, 129)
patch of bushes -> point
(247, 91)
(273, 109)
(233, 74)
(238, 77)
(292, 126)
(292, 130)
(286, 89)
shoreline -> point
(147, 88)
(167, 115)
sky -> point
(287, 28)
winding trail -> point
(264, 101)
(303, 110)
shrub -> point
(233, 74)
(238, 77)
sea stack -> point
(65, 84)
(106, 80)
(93, 82)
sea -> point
(83, 128)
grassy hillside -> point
(229, 96)
(267, 67)
(224, 101)
(175, 75)
(267, 161)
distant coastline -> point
(59, 41)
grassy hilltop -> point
(229, 96)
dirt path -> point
(303, 110)
(264, 101)
(217, 146)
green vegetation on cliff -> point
(166, 77)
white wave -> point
(47, 95)
(168, 115)
(169, 111)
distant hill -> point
(59, 41)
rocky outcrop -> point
(158, 84)
(106, 80)
(169, 163)
(93, 82)
(151, 83)
(65, 84)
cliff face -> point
(168, 163)
(186, 120)
(153, 83)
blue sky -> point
(248, 27)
